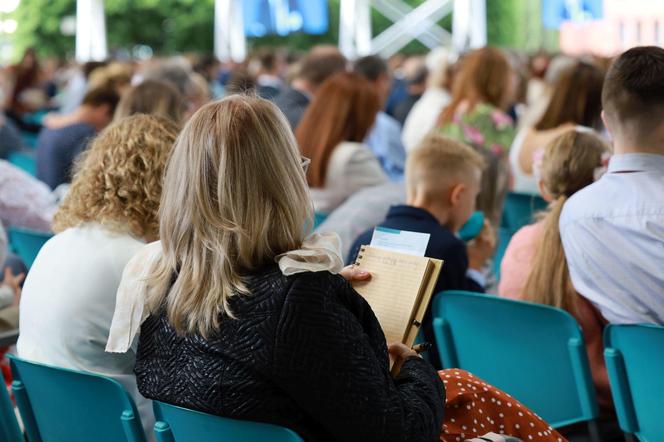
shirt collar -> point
(411, 212)
(636, 162)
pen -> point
(420, 348)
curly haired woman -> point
(110, 212)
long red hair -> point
(344, 109)
(482, 78)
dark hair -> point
(100, 96)
(268, 60)
(576, 98)
(344, 109)
(634, 89)
(241, 82)
(371, 67)
(320, 64)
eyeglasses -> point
(304, 162)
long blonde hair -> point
(568, 166)
(235, 196)
(118, 179)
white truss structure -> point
(90, 31)
(355, 36)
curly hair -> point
(118, 180)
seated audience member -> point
(240, 82)
(482, 90)
(240, 321)
(10, 137)
(361, 211)
(613, 230)
(268, 81)
(317, 66)
(24, 200)
(10, 290)
(534, 266)
(416, 82)
(331, 135)
(384, 138)
(442, 180)
(111, 210)
(152, 97)
(424, 113)
(58, 145)
(575, 101)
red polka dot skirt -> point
(474, 408)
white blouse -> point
(352, 167)
(68, 302)
(523, 182)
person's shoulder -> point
(313, 288)
(581, 205)
(387, 122)
(443, 244)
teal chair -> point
(27, 243)
(25, 161)
(57, 405)
(634, 360)
(319, 218)
(9, 429)
(183, 425)
(519, 210)
(534, 352)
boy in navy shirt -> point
(443, 179)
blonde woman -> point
(242, 316)
(534, 267)
(111, 210)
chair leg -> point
(594, 432)
(163, 433)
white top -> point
(423, 116)
(352, 167)
(523, 182)
(68, 302)
(613, 235)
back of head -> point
(633, 97)
(241, 82)
(173, 71)
(483, 77)
(102, 96)
(118, 179)
(321, 63)
(575, 98)
(568, 165)
(344, 109)
(438, 162)
(152, 97)
(371, 67)
(235, 196)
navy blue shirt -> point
(58, 148)
(443, 244)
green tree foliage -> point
(171, 26)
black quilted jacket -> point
(305, 352)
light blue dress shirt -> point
(384, 140)
(613, 235)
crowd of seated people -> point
(183, 195)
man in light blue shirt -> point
(384, 139)
(613, 230)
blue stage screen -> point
(554, 12)
(282, 17)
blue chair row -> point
(27, 243)
(57, 404)
(25, 161)
(537, 354)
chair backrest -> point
(319, 218)
(519, 210)
(9, 429)
(57, 404)
(535, 353)
(634, 360)
(27, 243)
(25, 161)
(183, 425)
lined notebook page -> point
(394, 288)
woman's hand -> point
(353, 273)
(399, 353)
(14, 282)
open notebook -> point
(399, 291)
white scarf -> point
(319, 252)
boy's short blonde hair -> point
(438, 161)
